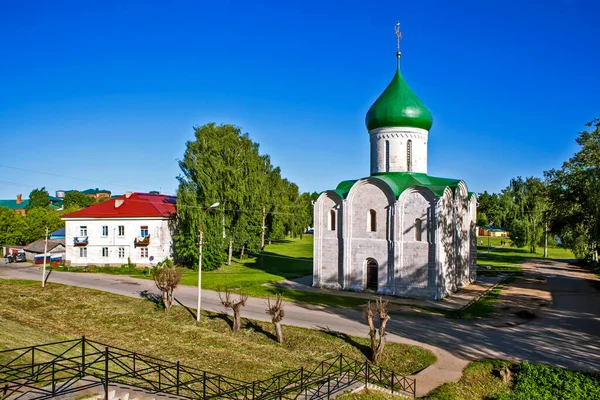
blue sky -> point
(105, 93)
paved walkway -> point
(565, 335)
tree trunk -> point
(165, 299)
(278, 332)
(230, 252)
(236, 318)
(242, 253)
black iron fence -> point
(60, 368)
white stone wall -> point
(437, 265)
(473, 239)
(462, 227)
(416, 268)
(366, 195)
(160, 241)
(398, 138)
(445, 245)
(327, 260)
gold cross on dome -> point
(398, 34)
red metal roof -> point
(137, 205)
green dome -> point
(398, 106)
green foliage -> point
(223, 165)
(36, 221)
(526, 211)
(541, 382)
(13, 229)
(18, 230)
(574, 193)
(38, 198)
(77, 200)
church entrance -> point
(372, 278)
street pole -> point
(199, 275)
(45, 251)
(200, 260)
(546, 240)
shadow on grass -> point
(154, 298)
(259, 329)
(364, 349)
(192, 313)
(223, 317)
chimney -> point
(19, 198)
(128, 194)
(119, 202)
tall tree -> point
(13, 229)
(574, 193)
(37, 219)
(38, 198)
(220, 165)
(77, 200)
(527, 210)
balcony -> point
(80, 240)
(141, 241)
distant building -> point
(58, 234)
(56, 249)
(135, 226)
(18, 205)
(95, 193)
(492, 231)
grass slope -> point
(31, 315)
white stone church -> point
(399, 231)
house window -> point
(332, 220)
(409, 156)
(387, 156)
(372, 221)
(418, 229)
(105, 252)
(121, 230)
(144, 252)
(83, 231)
(104, 231)
(143, 231)
(83, 252)
(121, 252)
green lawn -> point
(31, 315)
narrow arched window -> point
(409, 156)
(418, 230)
(387, 156)
(332, 220)
(372, 221)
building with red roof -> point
(135, 226)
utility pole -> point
(199, 275)
(262, 234)
(546, 240)
(45, 251)
(200, 258)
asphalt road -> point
(566, 335)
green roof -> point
(400, 181)
(95, 191)
(398, 106)
(12, 204)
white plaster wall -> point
(398, 138)
(473, 239)
(160, 241)
(462, 225)
(415, 272)
(366, 195)
(327, 260)
(445, 245)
